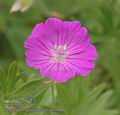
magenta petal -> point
(89, 54)
(55, 30)
(57, 72)
(58, 76)
(38, 30)
(84, 72)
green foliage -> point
(10, 95)
(99, 94)
(77, 102)
(2, 81)
(35, 86)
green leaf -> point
(80, 87)
(3, 80)
(96, 104)
(34, 103)
(93, 102)
(12, 70)
(34, 89)
(17, 78)
(30, 89)
(11, 75)
(39, 97)
(2, 109)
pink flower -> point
(60, 50)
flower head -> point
(60, 50)
(21, 5)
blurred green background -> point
(99, 93)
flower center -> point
(59, 53)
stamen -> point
(59, 53)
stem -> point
(53, 100)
